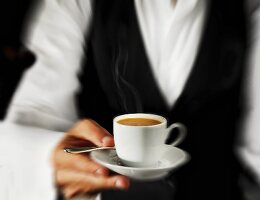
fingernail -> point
(120, 184)
(99, 171)
(106, 140)
(102, 172)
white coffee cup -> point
(142, 146)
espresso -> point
(139, 122)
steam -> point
(130, 100)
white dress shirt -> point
(45, 97)
(171, 35)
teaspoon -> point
(85, 149)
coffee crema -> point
(139, 121)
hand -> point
(77, 173)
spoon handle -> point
(85, 149)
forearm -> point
(250, 149)
(46, 95)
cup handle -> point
(182, 133)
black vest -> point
(117, 79)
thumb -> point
(91, 131)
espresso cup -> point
(140, 143)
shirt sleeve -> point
(250, 150)
(46, 94)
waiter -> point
(182, 59)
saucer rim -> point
(183, 160)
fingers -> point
(78, 162)
(76, 182)
(91, 131)
(77, 173)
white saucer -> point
(171, 159)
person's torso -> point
(118, 79)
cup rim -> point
(162, 119)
